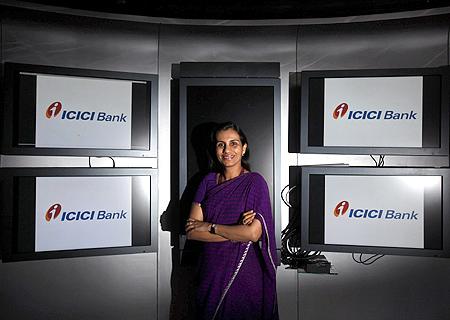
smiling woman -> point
(231, 213)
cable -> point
(367, 261)
(114, 162)
(379, 257)
(380, 161)
(291, 251)
(284, 198)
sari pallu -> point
(237, 280)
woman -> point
(230, 214)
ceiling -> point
(249, 9)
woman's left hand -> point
(196, 225)
(248, 217)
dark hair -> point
(216, 165)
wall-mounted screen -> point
(397, 111)
(64, 212)
(65, 111)
(402, 211)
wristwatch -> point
(212, 228)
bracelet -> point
(212, 228)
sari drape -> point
(237, 280)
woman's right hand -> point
(248, 217)
(193, 224)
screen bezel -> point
(304, 194)
(7, 213)
(304, 82)
(10, 88)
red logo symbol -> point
(53, 212)
(341, 208)
(53, 110)
(340, 110)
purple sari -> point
(237, 280)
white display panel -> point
(81, 112)
(83, 212)
(373, 112)
(383, 211)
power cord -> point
(367, 261)
(114, 162)
(380, 161)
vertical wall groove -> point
(448, 45)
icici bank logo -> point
(341, 208)
(340, 110)
(53, 212)
(53, 110)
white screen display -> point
(384, 211)
(373, 112)
(83, 212)
(77, 112)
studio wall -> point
(104, 287)
(394, 287)
(138, 286)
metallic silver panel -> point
(408, 43)
(393, 287)
(108, 287)
(79, 42)
(115, 287)
(231, 44)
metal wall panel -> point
(180, 43)
(109, 287)
(125, 286)
(394, 287)
(79, 42)
(404, 43)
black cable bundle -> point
(291, 251)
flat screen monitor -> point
(390, 111)
(78, 112)
(71, 212)
(398, 211)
